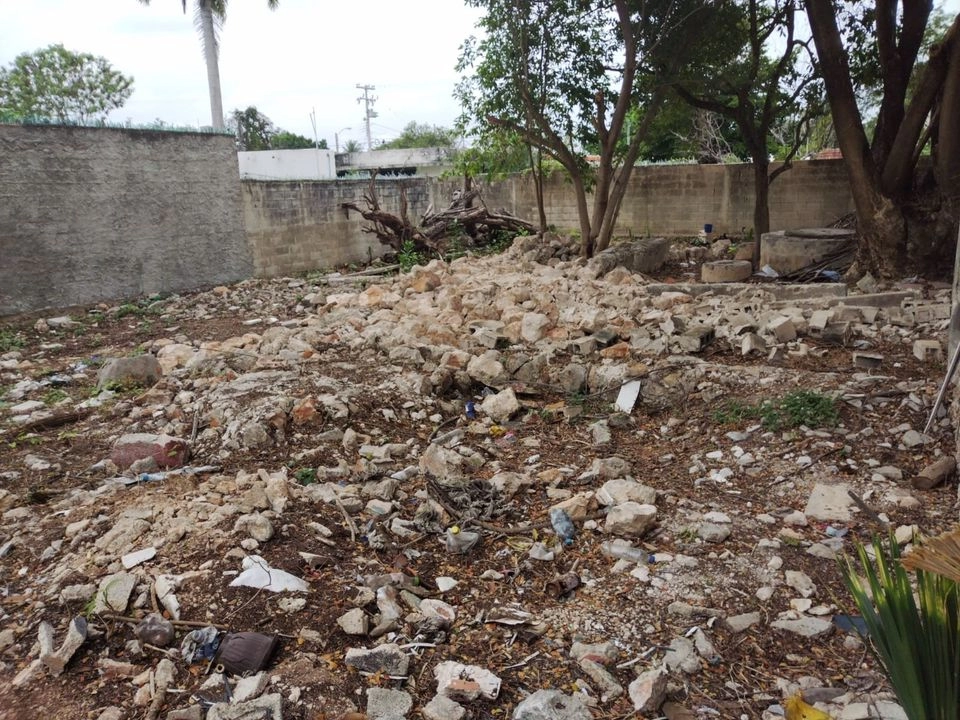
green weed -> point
(306, 476)
(409, 256)
(10, 339)
(802, 407)
(54, 396)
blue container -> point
(708, 228)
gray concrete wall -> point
(295, 227)
(91, 214)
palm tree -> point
(209, 17)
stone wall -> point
(295, 227)
(90, 214)
(299, 226)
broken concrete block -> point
(867, 361)
(725, 271)
(819, 319)
(752, 344)
(836, 333)
(927, 350)
(783, 329)
(694, 340)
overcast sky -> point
(307, 54)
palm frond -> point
(940, 555)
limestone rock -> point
(166, 451)
(649, 691)
(141, 370)
(501, 406)
(630, 518)
(552, 705)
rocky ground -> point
(389, 450)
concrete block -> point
(724, 271)
(782, 328)
(927, 350)
(752, 344)
(819, 319)
(867, 361)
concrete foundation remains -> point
(787, 251)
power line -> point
(368, 100)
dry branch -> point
(463, 219)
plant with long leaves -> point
(913, 632)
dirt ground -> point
(752, 669)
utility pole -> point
(368, 100)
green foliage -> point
(803, 407)
(352, 146)
(914, 632)
(409, 256)
(422, 135)
(252, 129)
(61, 85)
(52, 397)
(306, 476)
(10, 339)
(284, 140)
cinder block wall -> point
(298, 226)
(90, 214)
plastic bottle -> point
(563, 526)
(625, 552)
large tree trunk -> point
(210, 53)
(761, 203)
(883, 239)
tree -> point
(62, 85)
(252, 129)
(416, 135)
(352, 146)
(562, 74)
(906, 210)
(284, 140)
(209, 17)
(770, 83)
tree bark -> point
(210, 54)
(881, 224)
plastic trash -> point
(258, 574)
(563, 526)
(471, 410)
(200, 644)
(460, 542)
(623, 551)
(245, 652)
(155, 629)
(564, 584)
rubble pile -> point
(524, 485)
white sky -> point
(307, 54)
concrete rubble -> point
(342, 455)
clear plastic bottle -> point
(623, 551)
(563, 526)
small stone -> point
(606, 683)
(713, 532)
(443, 708)
(258, 526)
(630, 518)
(740, 623)
(682, 655)
(250, 687)
(800, 582)
(912, 438)
(445, 584)
(354, 622)
(142, 370)
(387, 704)
(114, 593)
(649, 691)
(808, 627)
(131, 560)
(552, 705)
(168, 452)
(388, 658)
(501, 406)
(829, 502)
(265, 707)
